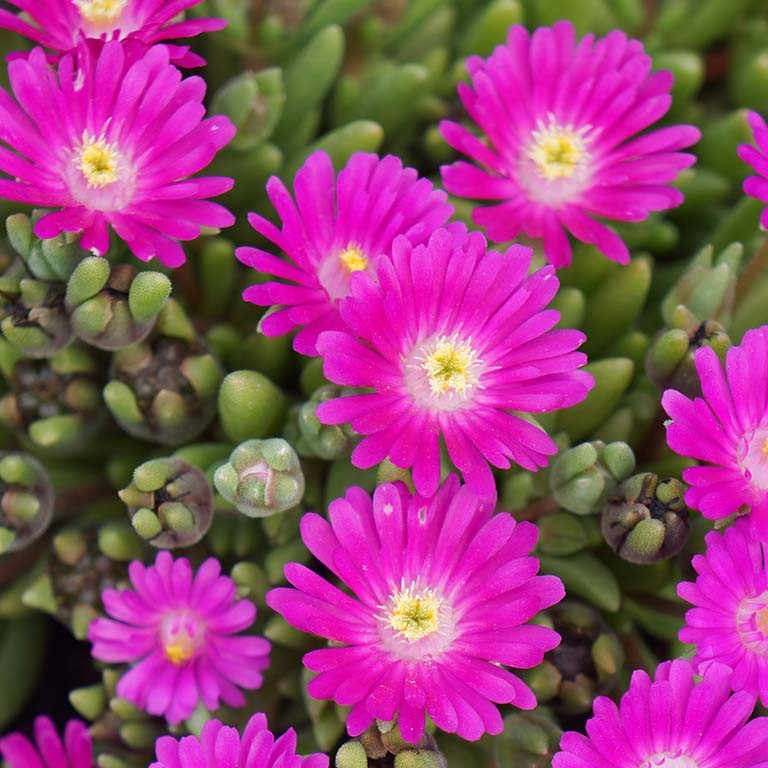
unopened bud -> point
(261, 478)
(648, 521)
(326, 441)
(584, 477)
(170, 503)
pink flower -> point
(59, 25)
(727, 429)
(220, 746)
(451, 339)
(127, 136)
(729, 622)
(561, 120)
(335, 227)
(671, 722)
(441, 591)
(176, 630)
(757, 157)
(48, 750)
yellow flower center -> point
(182, 634)
(414, 615)
(450, 367)
(182, 649)
(100, 11)
(764, 448)
(557, 151)
(98, 161)
(353, 258)
(761, 620)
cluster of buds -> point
(382, 746)
(170, 503)
(261, 478)
(315, 439)
(648, 520)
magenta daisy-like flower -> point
(49, 751)
(335, 227)
(728, 430)
(221, 746)
(452, 339)
(441, 591)
(177, 631)
(672, 721)
(59, 25)
(127, 136)
(561, 119)
(729, 622)
(757, 157)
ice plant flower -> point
(59, 25)
(440, 593)
(129, 134)
(48, 751)
(335, 227)
(451, 338)
(561, 119)
(728, 430)
(757, 158)
(671, 721)
(729, 620)
(221, 746)
(176, 629)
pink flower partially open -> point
(128, 135)
(59, 25)
(441, 593)
(335, 227)
(757, 156)
(727, 429)
(561, 121)
(729, 621)
(176, 629)
(221, 746)
(672, 721)
(452, 340)
(48, 751)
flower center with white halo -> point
(335, 269)
(443, 372)
(556, 163)
(101, 12)
(752, 623)
(754, 463)
(669, 760)
(416, 622)
(98, 161)
(182, 634)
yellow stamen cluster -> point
(414, 615)
(181, 648)
(762, 621)
(450, 367)
(557, 151)
(353, 258)
(100, 11)
(98, 161)
(764, 448)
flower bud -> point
(648, 521)
(164, 389)
(351, 755)
(170, 503)
(669, 362)
(326, 441)
(32, 316)
(114, 306)
(56, 402)
(26, 501)
(261, 478)
(585, 476)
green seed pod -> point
(648, 520)
(261, 478)
(584, 477)
(170, 503)
(55, 402)
(113, 307)
(26, 501)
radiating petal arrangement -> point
(316, 476)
